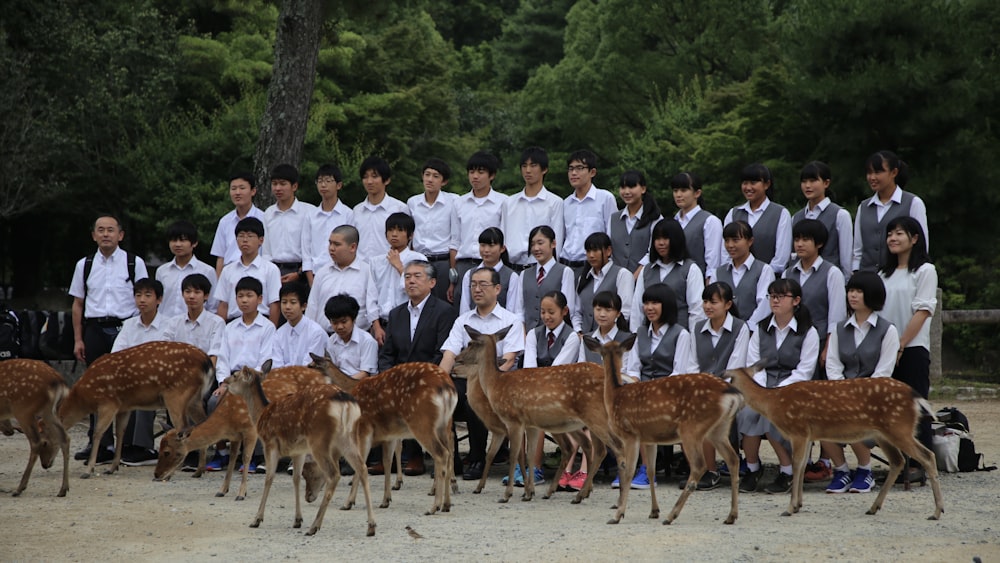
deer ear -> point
(184, 434)
(502, 332)
(315, 358)
(593, 344)
(265, 368)
(628, 343)
(473, 333)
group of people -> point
(812, 294)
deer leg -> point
(268, 479)
(388, 451)
(296, 481)
(121, 421)
(202, 458)
(249, 441)
(626, 470)
(800, 456)
(495, 443)
(354, 457)
(34, 441)
(363, 450)
(533, 435)
(564, 460)
(231, 466)
(926, 458)
(516, 436)
(595, 453)
(693, 451)
(329, 466)
(721, 441)
(54, 426)
(650, 450)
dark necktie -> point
(541, 274)
(552, 339)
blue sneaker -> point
(518, 477)
(641, 481)
(841, 482)
(217, 463)
(724, 469)
(863, 481)
(251, 469)
(616, 484)
(539, 476)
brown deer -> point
(689, 409)
(320, 420)
(29, 390)
(845, 411)
(557, 399)
(147, 377)
(411, 400)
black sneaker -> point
(750, 481)
(104, 456)
(345, 468)
(474, 471)
(83, 455)
(709, 481)
(781, 484)
(136, 456)
(190, 462)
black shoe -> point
(345, 468)
(137, 456)
(781, 484)
(750, 481)
(474, 471)
(82, 455)
(190, 462)
(709, 481)
(104, 456)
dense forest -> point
(144, 108)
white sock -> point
(786, 469)
(826, 462)
(753, 467)
(223, 452)
(866, 467)
(843, 468)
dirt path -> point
(129, 517)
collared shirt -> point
(845, 239)
(761, 308)
(369, 219)
(286, 233)
(624, 286)
(515, 297)
(224, 243)
(782, 238)
(134, 333)
(415, 311)
(490, 323)
(694, 287)
(836, 293)
(567, 287)
(244, 345)
(807, 356)
(471, 216)
(906, 293)
(355, 280)
(205, 332)
(259, 268)
(684, 360)
(391, 285)
(521, 213)
(433, 222)
(172, 277)
(887, 353)
(108, 291)
(739, 358)
(321, 224)
(358, 354)
(711, 233)
(918, 210)
(630, 220)
(292, 344)
(570, 352)
(584, 217)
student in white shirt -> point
(346, 273)
(299, 336)
(602, 275)
(431, 213)
(587, 210)
(242, 189)
(702, 230)
(748, 276)
(250, 237)
(331, 213)
(183, 239)
(815, 182)
(387, 270)
(371, 213)
(286, 223)
(532, 206)
(630, 228)
(670, 263)
(197, 326)
(494, 253)
(351, 349)
(772, 225)
(544, 276)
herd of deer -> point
(320, 412)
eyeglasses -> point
(326, 180)
(578, 168)
(246, 236)
(482, 285)
(778, 296)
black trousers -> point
(478, 433)
(914, 369)
(97, 341)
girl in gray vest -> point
(788, 344)
(630, 228)
(494, 254)
(815, 183)
(669, 263)
(887, 175)
(748, 276)
(601, 275)
(702, 230)
(772, 225)
(864, 345)
(610, 323)
(545, 276)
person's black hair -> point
(400, 220)
(887, 160)
(249, 283)
(379, 165)
(340, 306)
(871, 286)
(484, 160)
(285, 172)
(815, 170)
(583, 156)
(439, 165)
(536, 155)
(250, 225)
(811, 229)
(148, 284)
(669, 229)
(783, 286)
(197, 281)
(331, 170)
(597, 241)
(757, 172)
(182, 230)
(737, 229)
(493, 235)
(561, 302)
(650, 209)
(611, 300)
(725, 292)
(107, 216)
(547, 232)
(687, 181)
(662, 294)
(246, 177)
(349, 232)
(298, 289)
(918, 254)
(494, 275)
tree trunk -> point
(283, 125)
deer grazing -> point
(688, 409)
(147, 377)
(411, 400)
(846, 411)
(320, 420)
(29, 390)
(557, 399)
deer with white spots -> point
(556, 399)
(320, 420)
(411, 400)
(147, 377)
(29, 391)
(845, 411)
(688, 409)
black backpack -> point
(10, 333)
(31, 333)
(968, 458)
(56, 340)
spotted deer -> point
(411, 400)
(556, 399)
(147, 377)
(845, 411)
(320, 420)
(688, 409)
(29, 391)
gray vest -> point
(815, 295)
(765, 232)
(659, 362)
(545, 354)
(694, 235)
(745, 294)
(831, 250)
(873, 249)
(587, 297)
(505, 273)
(676, 279)
(533, 292)
(627, 249)
(860, 361)
(715, 359)
(596, 356)
(780, 361)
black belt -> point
(106, 321)
(573, 263)
(520, 267)
(469, 260)
(438, 257)
(289, 265)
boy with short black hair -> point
(387, 270)
(473, 213)
(250, 237)
(346, 273)
(431, 213)
(327, 216)
(585, 211)
(370, 214)
(197, 326)
(529, 208)
(352, 350)
(286, 224)
(299, 336)
(182, 237)
(242, 189)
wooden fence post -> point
(937, 329)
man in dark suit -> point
(417, 330)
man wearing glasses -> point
(585, 211)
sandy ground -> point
(127, 516)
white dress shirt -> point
(433, 222)
(292, 344)
(684, 361)
(369, 219)
(569, 354)
(906, 293)
(845, 232)
(286, 233)
(711, 235)
(918, 210)
(807, 356)
(259, 268)
(584, 217)
(490, 323)
(205, 332)
(739, 357)
(108, 291)
(624, 286)
(354, 280)
(567, 286)
(782, 239)
(224, 243)
(321, 224)
(358, 354)
(134, 333)
(244, 345)
(887, 353)
(515, 297)
(694, 287)
(471, 216)
(761, 307)
(390, 283)
(172, 277)
(520, 214)
(836, 294)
